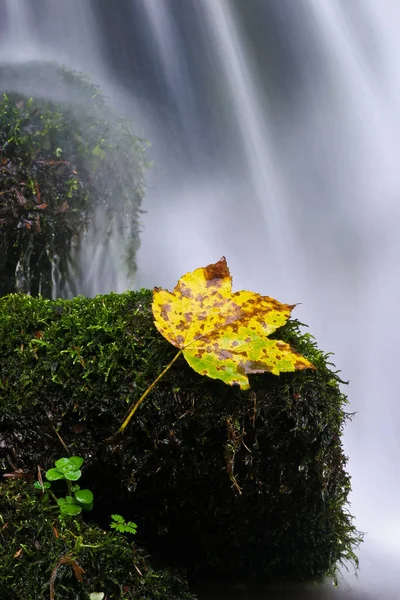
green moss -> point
(37, 548)
(61, 160)
(75, 367)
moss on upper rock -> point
(67, 160)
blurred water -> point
(275, 130)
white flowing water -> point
(251, 111)
(295, 177)
(19, 19)
(47, 30)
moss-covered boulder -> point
(69, 370)
(68, 161)
(42, 556)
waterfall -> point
(172, 63)
(371, 190)
(19, 27)
(251, 110)
(45, 30)
(275, 131)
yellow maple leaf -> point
(224, 334)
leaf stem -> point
(61, 440)
(53, 496)
(143, 396)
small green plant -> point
(76, 499)
(119, 524)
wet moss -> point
(70, 558)
(61, 162)
(74, 366)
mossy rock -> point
(74, 366)
(39, 553)
(68, 162)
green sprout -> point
(119, 524)
(76, 499)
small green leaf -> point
(61, 462)
(97, 151)
(75, 488)
(96, 596)
(58, 152)
(118, 518)
(72, 475)
(66, 500)
(54, 474)
(120, 525)
(37, 485)
(40, 342)
(69, 465)
(70, 509)
(84, 496)
(76, 462)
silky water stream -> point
(275, 131)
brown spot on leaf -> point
(223, 354)
(253, 366)
(165, 309)
(281, 345)
(300, 365)
(185, 291)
